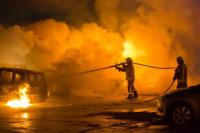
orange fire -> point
(23, 101)
(130, 50)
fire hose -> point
(108, 67)
(155, 98)
(144, 65)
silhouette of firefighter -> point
(181, 73)
(128, 68)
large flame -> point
(23, 101)
(130, 50)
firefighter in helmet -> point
(181, 73)
(128, 68)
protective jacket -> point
(181, 75)
(129, 69)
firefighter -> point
(128, 68)
(181, 73)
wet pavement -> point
(95, 115)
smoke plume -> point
(151, 32)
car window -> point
(6, 76)
(35, 78)
(39, 78)
(32, 78)
(18, 77)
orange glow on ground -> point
(23, 101)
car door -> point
(194, 99)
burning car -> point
(181, 106)
(30, 85)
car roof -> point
(20, 70)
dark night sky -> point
(27, 11)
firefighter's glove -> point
(116, 66)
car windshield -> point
(6, 76)
(17, 76)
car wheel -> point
(182, 115)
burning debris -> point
(23, 100)
(20, 87)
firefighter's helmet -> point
(180, 59)
(128, 60)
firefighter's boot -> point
(135, 93)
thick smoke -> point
(159, 32)
(60, 51)
(151, 32)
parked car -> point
(181, 106)
(12, 78)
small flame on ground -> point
(23, 101)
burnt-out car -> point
(12, 78)
(181, 106)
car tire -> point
(181, 114)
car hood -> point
(174, 92)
